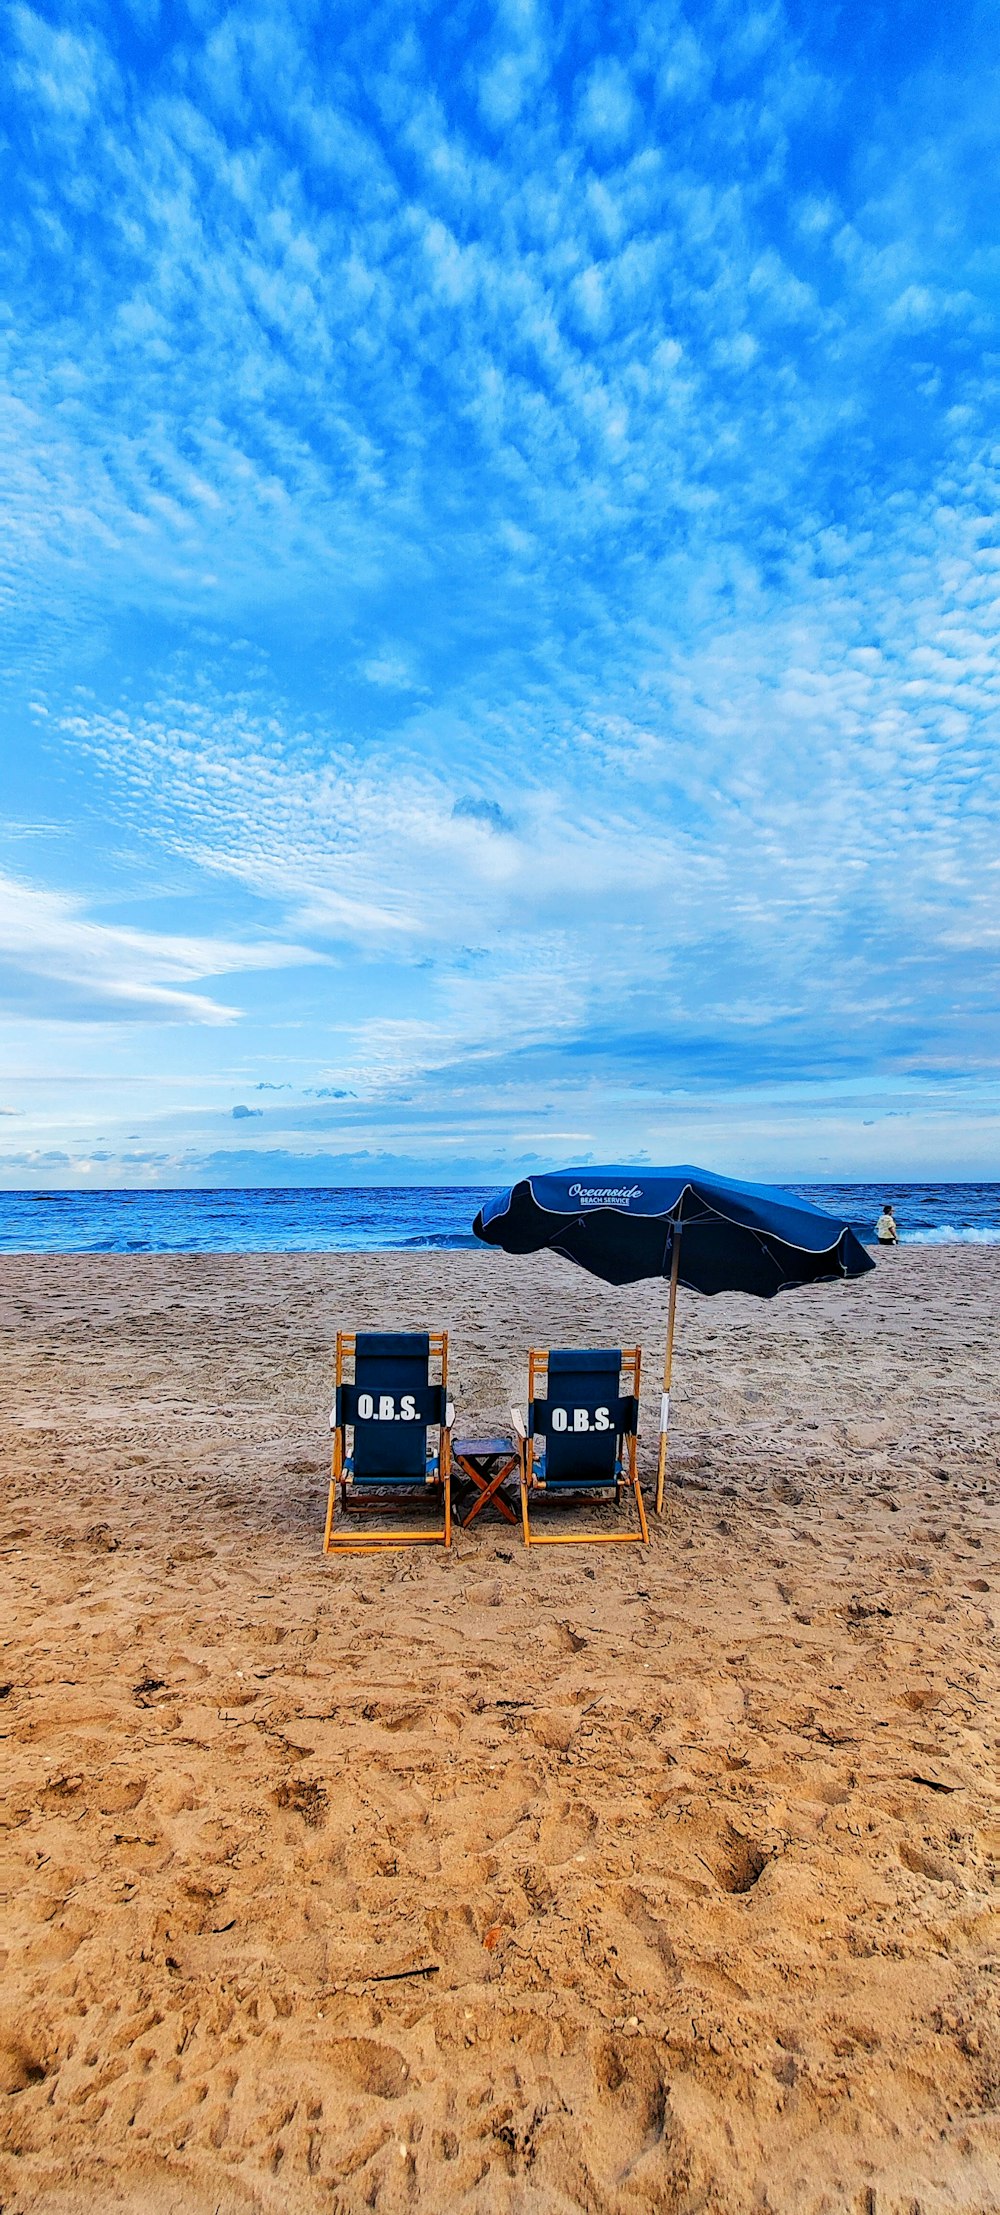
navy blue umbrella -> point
(621, 1224)
(714, 1234)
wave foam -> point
(946, 1234)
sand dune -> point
(613, 1882)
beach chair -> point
(383, 1415)
(580, 1437)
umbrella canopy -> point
(621, 1223)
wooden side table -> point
(487, 1462)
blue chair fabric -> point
(581, 1433)
(582, 1418)
(389, 1409)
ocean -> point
(329, 1218)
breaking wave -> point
(947, 1234)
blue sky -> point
(500, 585)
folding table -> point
(487, 1461)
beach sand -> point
(579, 1880)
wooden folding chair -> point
(580, 1437)
(383, 1414)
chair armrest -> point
(449, 1415)
(333, 1418)
(518, 1421)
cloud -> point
(490, 812)
(88, 969)
(68, 74)
(608, 112)
(519, 505)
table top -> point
(480, 1447)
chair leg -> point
(385, 1542)
(641, 1507)
(388, 1541)
(589, 1538)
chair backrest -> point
(391, 1404)
(583, 1415)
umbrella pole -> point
(661, 1467)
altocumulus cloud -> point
(500, 548)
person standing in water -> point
(885, 1228)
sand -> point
(583, 1880)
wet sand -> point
(582, 1880)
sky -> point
(499, 590)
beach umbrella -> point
(713, 1234)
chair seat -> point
(382, 1477)
(582, 1483)
(582, 1480)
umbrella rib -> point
(704, 1211)
(788, 1243)
(671, 1213)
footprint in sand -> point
(370, 2067)
(917, 1697)
(738, 1862)
(924, 1864)
(120, 1795)
(564, 1834)
(19, 2066)
(308, 1797)
(646, 1959)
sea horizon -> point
(361, 1218)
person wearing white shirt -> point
(885, 1228)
